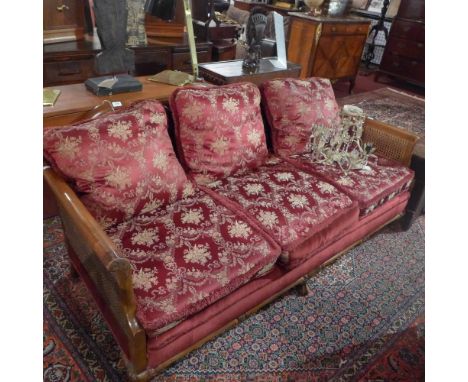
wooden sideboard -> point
(404, 53)
(73, 62)
(329, 47)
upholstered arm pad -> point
(108, 276)
(390, 141)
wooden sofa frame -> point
(94, 257)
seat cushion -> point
(219, 129)
(122, 163)
(384, 180)
(188, 255)
(293, 106)
(291, 205)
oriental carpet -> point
(363, 321)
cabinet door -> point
(338, 56)
(63, 20)
(411, 9)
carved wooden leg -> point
(303, 289)
(352, 83)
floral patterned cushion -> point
(188, 255)
(290, 204)
(293, 106)
(123, 163)
(370, 189)
(219, 129)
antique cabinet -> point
(329, 47)
(63, 20)
(404, 53)
(72, 62)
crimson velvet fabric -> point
(291, 205)
(370, 188)
(121, 163)
(188, 255)
(193, 329)
(292, 107)
(219, 129)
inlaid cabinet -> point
(329, 47)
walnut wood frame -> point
(109, 276)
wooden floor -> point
(365, 82)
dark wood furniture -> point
(247, 6)
(416, 203)
(329, 47)
(63, 20)
(73, 62)
(404, 53)
(228, 72)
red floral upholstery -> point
(123, 162)
(290, 204)
(188, 255)
(293, 106)
(219, 129)
(370, 189)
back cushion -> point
(219, 129)
(293, 107)
(122, 163)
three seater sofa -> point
(179, 239)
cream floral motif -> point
(220, 145)
(199, 254)
(291, 140)
(268, 218)
(254, 137)
(230, 105)
(69, 147)
(145, 237)
(188, 190)
(254, 188)
(160, 161)
(119, 178)
(120, 130)
(192, 216)
(192, 111)
(144, 279)
(345, 181)
(284, 176)
(298, 201)
(158, 118)
(151, 205)
(326, 188)
(239, 229)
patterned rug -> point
(393, 107)
(364, 321)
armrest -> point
(390, 141)
(97, 259)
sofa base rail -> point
(302, 289)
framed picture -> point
(360, 4)
(375, 6)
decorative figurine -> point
(255, 32)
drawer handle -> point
(396, 64)
(414, 63)
(333, 29)
(420, 45)
(62, 8)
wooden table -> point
(227, 72)
(75, 101)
